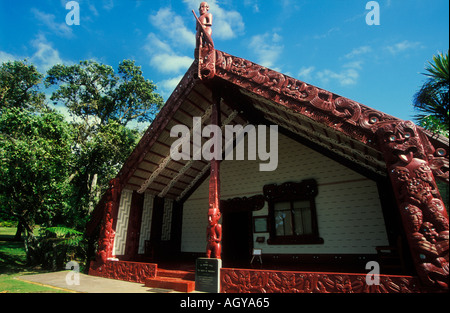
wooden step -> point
(172, 283)
(182, 281)
(186, 275)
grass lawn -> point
(13, 264)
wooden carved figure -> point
(425, 219)
(204, 30)
(214, 234)
(107, 232)
(204, 51)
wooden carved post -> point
(107, 229)
(406, 150)
(214, 229)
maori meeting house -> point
(353, 190)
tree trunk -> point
(92, 193)
(18, 235)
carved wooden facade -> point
(377, 144)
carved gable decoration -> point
(243, 204)
(306, 189)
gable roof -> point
(329, 123)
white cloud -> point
(306, 73)
(170, 84)
(155, 45)
(173, 27)
(357, 65)
(45, 56)
(358, 52)
(226, 24)
(253, 4)
(108, 4)
(267, 47)
(345, 77)
(6, 57)
(167, 63)
(163, 58)
(349, 73)
(93, 9)
(327, 34)
(403, 47)
(49, 20)
(159, 47)
(166, 87)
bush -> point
(56, 246)
(8, 224)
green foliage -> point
(19, 86)
(94, 91)
(59, 245)
(102, 103)
(52, 171)
(34, 153)
(432, 100)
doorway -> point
(236, 238)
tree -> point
(19, 86)
(93, 91)
(433, 98)
(53, 171)
(97, 161)
(103, 104)
(34, 152)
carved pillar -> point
(108, 225)
(214, 229)
(425, 220)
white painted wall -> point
(348, 207)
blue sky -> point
(326, 43)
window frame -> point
(292, 192)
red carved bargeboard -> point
(122, 270)
(262, 281)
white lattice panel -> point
(146, 224)
(167, 220)
(122, 222)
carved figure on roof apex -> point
(205, 20)
(204, 50)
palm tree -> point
(432, 100)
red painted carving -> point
(204, 52)
(214, 229)
(107, 229)
(423, 213)
(214, 235)
(261, 281)
(244, 204)
(122, 270)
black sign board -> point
(207, 275)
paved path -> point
(89, 284)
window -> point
(292, 218)
(292, 213)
